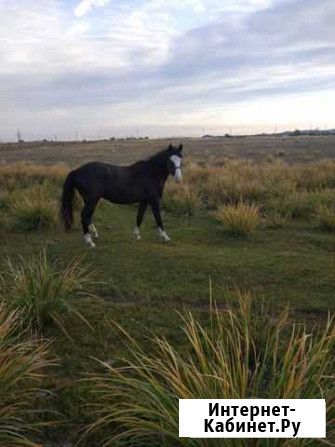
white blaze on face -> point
(176, 160)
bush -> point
(226, 185)
(296, 205)
(326, 218)
(241, 219)
(41, 291)
(181, 199)
(21, 371)
(24, 175)
(33, 209)
(242, 354)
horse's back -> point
(91, 177)
(113, 182)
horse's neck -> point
(160, 173)
(151, 169)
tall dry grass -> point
(326, 218)
(243, 353)
(23, 361)
(42, 291)
(278, 189)
(34, 208)
(23, 175)
(289, 191)
(241, 219)
(29, 194)
(181, 199)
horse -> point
(142, 182)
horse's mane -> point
(156, 159)
(160, 156)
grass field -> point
(287, 259)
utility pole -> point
(19, 139)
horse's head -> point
(175, 158)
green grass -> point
(143, 282)
(292, 265)
(242, 354)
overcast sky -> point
(98, 68)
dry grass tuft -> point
(243, 354)
(181, 198)
(41, 291)
(33, 209)
(326, 218)
(241, 219)
(21, 371)
(23, 175)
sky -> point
(74, 69)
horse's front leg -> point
(155, 206)
(140, 214)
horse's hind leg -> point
(86, 216)
(140, 214)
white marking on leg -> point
(88, 240)
(137, 235)
(94, 231)
(163, 236)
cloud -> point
(86, 5)
(169, 64)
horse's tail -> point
(66, 208)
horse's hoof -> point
(165, 238)
(136, 233)
(93, 232)
(88, 240)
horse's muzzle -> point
(178, 175)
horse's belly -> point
(122, 196)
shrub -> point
(41, 291)
(230, 184)
(181, 199)
(326, 218)
(243, 354)
(323, 197)
(21, 371)
(33, 209)
(316, 176)
(296, 205)
(24, 175)
(241, 219)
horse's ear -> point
(180, 147)
(170, 147)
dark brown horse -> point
(143, 183)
